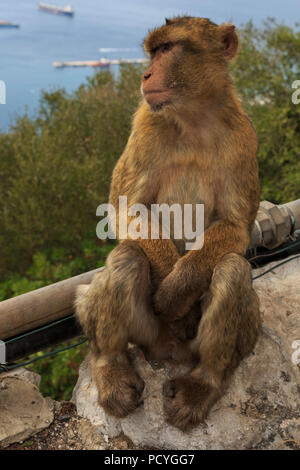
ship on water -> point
(8, 24)
(67, 10)
(103, 63)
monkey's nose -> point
(146, 75)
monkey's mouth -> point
(158, 98)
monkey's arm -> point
(192, 273)
(138, 187)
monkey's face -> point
(188, 61)
(159, 84)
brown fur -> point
(191, 142)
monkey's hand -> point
(178, 292)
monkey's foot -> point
(187, 401)
(119, 389)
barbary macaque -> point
(191, 143)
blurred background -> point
(27, 54)
(63, 129)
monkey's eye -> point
(163, 48)
(166, 47)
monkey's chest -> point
(189, 199)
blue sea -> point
(116, 27)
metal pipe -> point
(275, 224)
(293, 208)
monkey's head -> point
(189, 58)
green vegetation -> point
(268, 64)
(55, 169)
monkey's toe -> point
(187, 401)
(119, 391)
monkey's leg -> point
(114, 310)
(227, 332)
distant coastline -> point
(112, 30)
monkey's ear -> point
(229, 40)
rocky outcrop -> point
(23, 410)
(261, 408)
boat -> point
(8, 24)
(104, 63)
(82, 63)
(67, 10)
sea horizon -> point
(111, 30)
